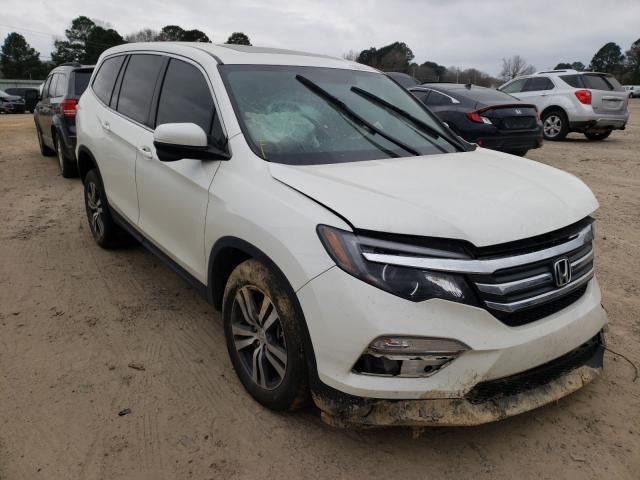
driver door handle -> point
(145, 151)
(106, 127)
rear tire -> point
(44, 150)
(597, 135)
(67, 168)
(555, 125)
(264, 337)
(105, 231)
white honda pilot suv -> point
(362, 255)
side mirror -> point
(177, 141)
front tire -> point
(264, 337)
(105, 231)
(67, 169)
(555, 125)
(597, 135)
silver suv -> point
(570, 101)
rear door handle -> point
(145, 151)
(106, 127)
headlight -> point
(413, 284)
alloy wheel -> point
(552, 126)
(95, 210)
(258, 337)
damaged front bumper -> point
(486, 402)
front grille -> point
(589, 352)
(525, 293)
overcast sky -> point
(465, 33)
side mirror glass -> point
(177, 141)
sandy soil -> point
(74, 319)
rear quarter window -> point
(106, 78)
(597, 82)
(61, 85)
(572, 80)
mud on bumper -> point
(486, 402)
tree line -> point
(398, 57)
(84, 42)
(86, 39)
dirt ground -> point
(75, 319)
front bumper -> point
(357, 313)
(486, 403)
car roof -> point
(65, 67)
(243, 55)
(557, 73)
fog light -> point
(408, 356)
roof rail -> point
(70, 64)
(564, 70)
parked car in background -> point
(11, 103)
(570, 101)
(29, 95)
(55, 113)
(490, 118)
(633, 90)
(361, 254)
(403, 79)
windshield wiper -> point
(340, 105)
(403, 113)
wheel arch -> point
(86, 162)
(226, 254)
(551, 108)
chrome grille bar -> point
(482, 266)
(516, 285)
(542, 298)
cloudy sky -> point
(466, 33)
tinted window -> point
(573, 80)
(484, 95)
(61, 85)
(45, 89)
(185, 97)
(106, 78)
(436, 99)
(601, 82)
(80, 82)
(420, 95)
(51, 91)
(537, 84)
(514, 87)
(137, 86)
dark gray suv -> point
(55, 113)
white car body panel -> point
(447, 195)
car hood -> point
(484, 197)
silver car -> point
(570, 101)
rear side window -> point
(573, 80)
(51, 91)
(537, 84)
(106, 78)
(420, 95)
(61, 85)
(185, 97)
(596, 82)
(80, 81)
(137, 87)
(514, 87)
(437, 99)
(45, 88)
